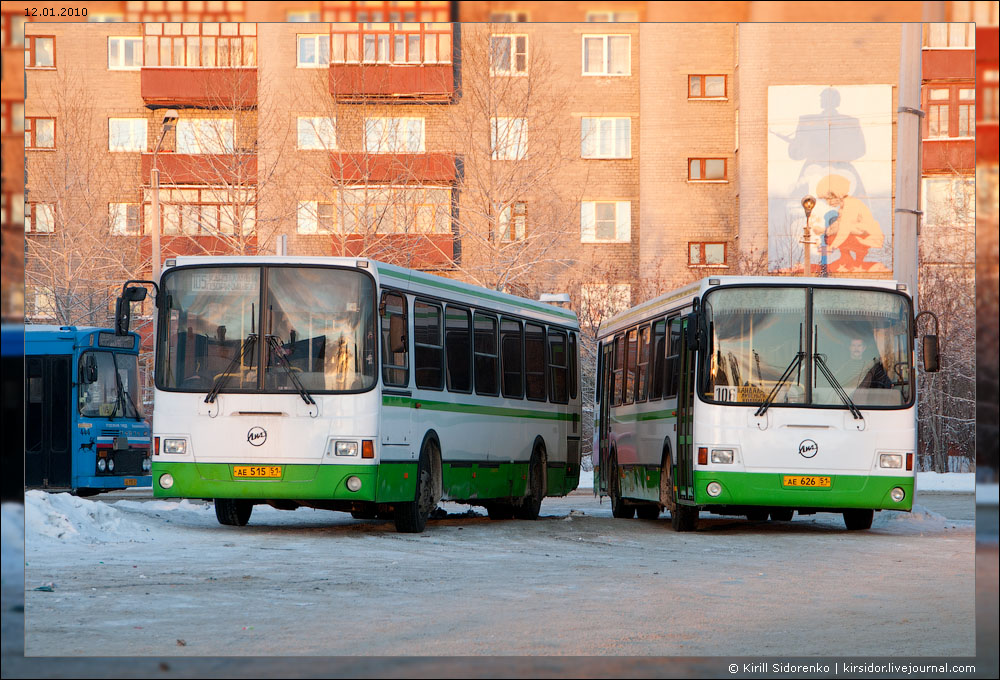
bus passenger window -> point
(428, 352)
(511, 351)
(486, 354)
(672, 364)
(557, 366)
(656, 389)
(574, 375)
(534, 362)
(395, 362)
(630, 365)
(617, 370)
(643, 376)
(458, 344)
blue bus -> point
(84, 426)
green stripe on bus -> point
(555, 311)
(668, 414)
(409, 402)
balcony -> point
(947, 64)
(424, 82)
(393, 168)
(226, 88)
(218, 169)
(417, 251)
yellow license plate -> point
(129, 481)
(257, 471)
(798, 481)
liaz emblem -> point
(257, 436)
(808, 448)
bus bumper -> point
(766, 489)
(112, 482)
(379, 483)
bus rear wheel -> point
(411, 517)
(233, 512)
(858, 520)
(619, 508)
(531, 504)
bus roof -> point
(683, 296)
(46, 338)
(410, 280)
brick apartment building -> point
(641, 155)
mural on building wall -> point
(834, 143)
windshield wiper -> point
(781, 381)
(277, 351)
(837, 387)
(237, 359)
(122, 397)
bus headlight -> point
(175, 446)
(102, 464)
(714, 489)
(146, 464)
(166, 481)
(111, 464)
(897, 494)
(345, 448)
(890, 460)
(353, 483)
(724, 456)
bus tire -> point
(619, 508)
(667, 483)
(233, 512)
(684, 517)
(411, 517)
(858, 520)
(531, 504)
(782, 514)
(648, 511)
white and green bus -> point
(352, 385)
(762, 397)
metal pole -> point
(908, 142)
(155, 183)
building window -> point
(394, 210)
(509, 138)
(512, 220)
(315, 217)
(13, 29)
(39, 133)
(707, 87)
(707, 170)
(605, 222)
(200, 45)
(509, 17)
(13, 118)
(607, 55)
(509, 55)
(394, 43)
(125, 53)
(39, 218)
(205, 135)
(612, 17)
(126, 134)
(39, 51)
(302, 15)
(951, 111)
(394, 135)
(125, 219)
(606, 137)
(706, 254)
(202, 211)
(951, 35)
(316, 133)
(13, 209)
(313, 51)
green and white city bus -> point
(349, 384)
(760, 396)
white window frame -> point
(606, 55)
(503, 128)
(323, 133)
(389, 139)
(968, 28)
(510, 69)
(204, 136)
(44, 213)
(588, 221)
(317, 50)
(118, 219)
(137, 135)
(595, 144)
(307, 218)
(137, 52)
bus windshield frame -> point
(866, 346)
(110, 389)
(320, 317)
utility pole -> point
(909, 125)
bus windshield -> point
(858, 345)
(320, 319)
(111, 396)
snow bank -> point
(62, 517)
(950, 481)
(918, 519)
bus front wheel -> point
(411, 517)
(233, 512)
(531, 504)
(858, 520)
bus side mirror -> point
(123, 308)
(692, 328)
(397, 334)
(88, 370)
(932, 356)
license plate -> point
(129, 481)
(257, 471)
(798, 481)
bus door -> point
(47, 391)
(683, 476)
(604, 414)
